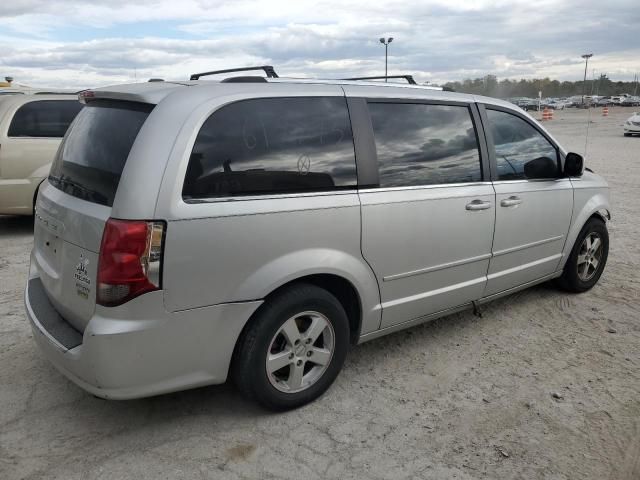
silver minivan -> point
(255, 229)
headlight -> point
(627, 122)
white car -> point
(31, 129)
(630, 101)
(632, 125)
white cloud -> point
(437, 40)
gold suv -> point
(31, 128)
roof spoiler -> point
(268, 69)
(408, 78)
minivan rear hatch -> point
(75, 203)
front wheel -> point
(587, 259)
(293, 349)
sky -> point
(79, 44)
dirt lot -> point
(462, 397)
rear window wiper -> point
(86, 192)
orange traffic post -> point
(605, 111)
(546, 114)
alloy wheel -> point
(300, 352)
(589, 256)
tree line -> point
(506, 88)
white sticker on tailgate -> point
(83, 282)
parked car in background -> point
(555, 104)
(31, 128)
(632, 125)
(603, 102)
(576, 101)
(526, 104)
(630, 101)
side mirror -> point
(573, 165)
(541, 167)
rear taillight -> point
(130, 260)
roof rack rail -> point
(244, 79)
(268, 69)
(47, 92)
(408, 78)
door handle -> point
(478, 205)
(511, 201)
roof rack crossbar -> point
(408, 78)
(268, 69)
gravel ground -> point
(462, 397)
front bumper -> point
(631, 128)
(140, 350)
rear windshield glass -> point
(92, 155)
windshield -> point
(93, 154)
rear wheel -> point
(293, 349)
(588, 258)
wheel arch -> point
(35, 193)
(603, 214)
(338, 285)
(341, 288)
(343, 274)
(596, 207)
(36, 178)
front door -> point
(533, 202)
(427, 228)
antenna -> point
(586, 136)
(586, 57)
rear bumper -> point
(141, 350)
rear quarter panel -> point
(246, 249)
(242, 249)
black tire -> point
(570, 280)
(627, 134)
(248, 368)
(35, 198)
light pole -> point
(386, 53)
(586, 57)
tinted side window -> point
(425, 144)
(273, 145)
(522, 152)
(44, 118)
